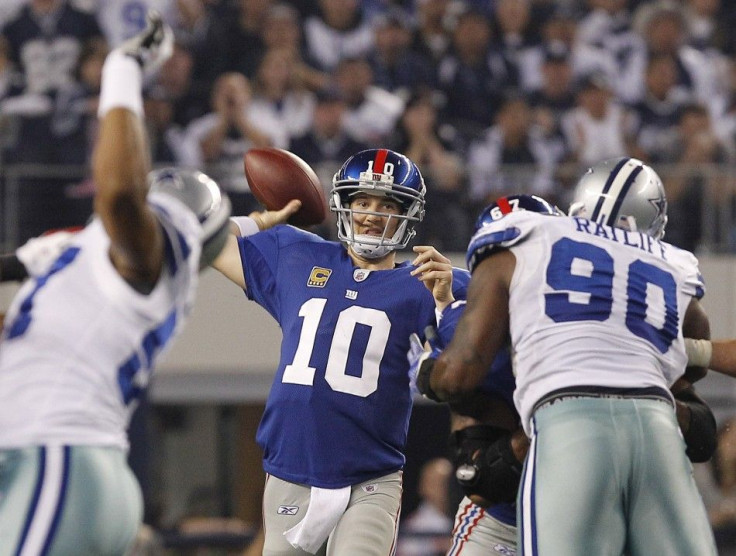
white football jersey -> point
(591, 305)
(79, 343)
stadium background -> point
(488, 96)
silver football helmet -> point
(204, 198)
(624, 193)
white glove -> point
(699, 352)
(152, 46)
(39, 253)
(414, 355)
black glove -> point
(494, 473)
(152, 46)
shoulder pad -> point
(510, 230)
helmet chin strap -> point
(368, 250)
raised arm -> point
(121, 160)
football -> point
(276, 176)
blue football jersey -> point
(498, 383)
(338, 410)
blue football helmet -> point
(512, 203)
(385, 173)
(624, 193)
(480, 246)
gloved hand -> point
(153, 45)
(416, 350)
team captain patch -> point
(318, 277)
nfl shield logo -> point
(370, 488)
(360, 274)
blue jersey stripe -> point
(622, 195)
(607, 188)
(60, 503)
(34, 499)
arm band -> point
(700, 437)
(11, 269)
(246, 224)
(699, 352)
(122, 80)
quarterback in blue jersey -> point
(596, 307)
(336, 419)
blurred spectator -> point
(372, 111)
(512, 156)
(9, 10)
(280, 107)
(608, 27)
(339, 31)
(555, 96)
(430, 521)
(431, 38)
(325, 146)
(471, 76)
(396, 67)
(282, 29)
(221, 138)
(204, 36)
(74, 120)
(598, 127)
(560, 29)
(244, 39)
(170, 105)
(515, 40)
(430, 145)
(45, 43)
(658, 112)
(696, 180)
(664, 30)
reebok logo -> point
(287, 510)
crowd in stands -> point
(489, 97)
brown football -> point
(276, 176)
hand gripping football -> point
(276, 176)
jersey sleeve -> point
(694, 283)
(506, 232)
(450, 317)
(260, 256)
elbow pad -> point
(700, 437)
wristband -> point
(699, 352)
(122, 80)
(246, 225)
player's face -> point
(367, 223)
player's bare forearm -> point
(120, 166)
(481, 331)
(723, 357)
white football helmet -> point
(624, 193)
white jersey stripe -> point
(528, 528)
(44, 517)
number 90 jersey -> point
(591, 305)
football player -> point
(597, 343)
(83, 334)
(336, 419)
